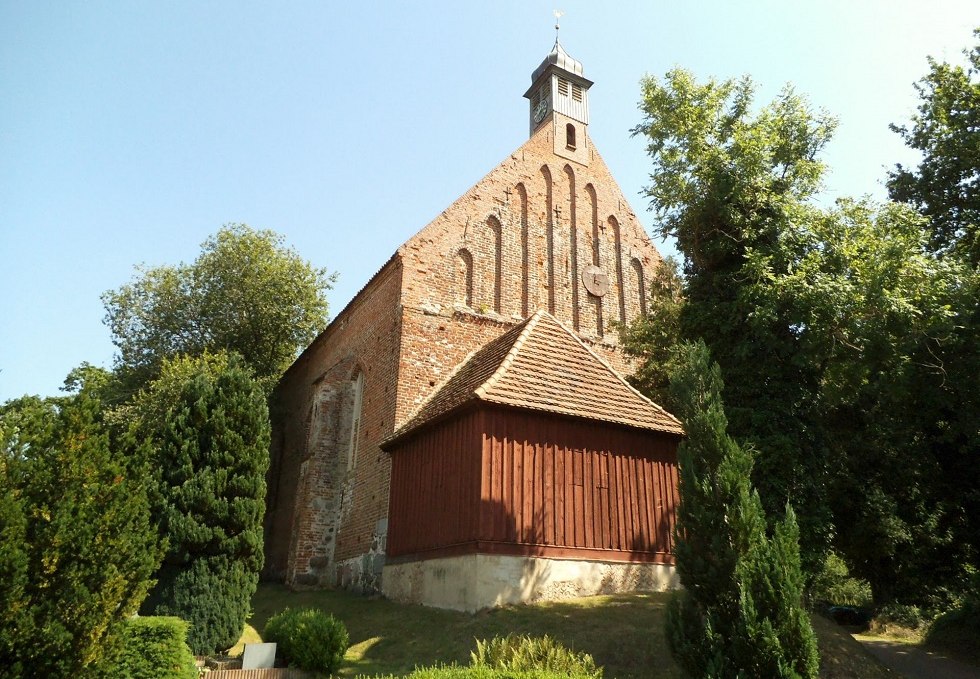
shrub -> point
(308, 639)
(902, 615)
(741, 612)
(482, 672)
(834, 585)
(524, 653)
(154, 648)
(77, 547)
(214, 594)
(958, 631)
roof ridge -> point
(481, 391)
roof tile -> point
(541, 365)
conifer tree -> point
(740, 614)
(207, 422)
(77, 547)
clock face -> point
(596, 280)
(541, 110)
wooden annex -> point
(534, 447)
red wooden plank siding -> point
(584, 506)
(602, 508)
(656, 507)
(435, 480)
(502, 477)
(527, 522)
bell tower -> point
(560, 93)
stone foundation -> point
(477, 581)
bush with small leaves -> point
(308, 639)
(958, 630)
(527, 653)
(834, 585)
(153, 647)
(900, 615)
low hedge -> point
(153, 647)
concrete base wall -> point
(477, 581)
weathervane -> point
(558, 15)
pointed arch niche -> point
(573, 274)
(496, 239)
(618, 254)
(464, 277)
(355, 393)
(525, 254)
(593, 305)
(639, 285)
(549, 206)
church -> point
(462, 434)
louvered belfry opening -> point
(535, 447)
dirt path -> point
(917, 663)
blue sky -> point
(130, 131)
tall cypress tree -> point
(741, 612)
(208, 424)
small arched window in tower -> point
(570, 136)
(357, 387)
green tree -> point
(205, 424)
(246, 292)
(946, 130)
(882, 320)
(849, 348)
(941, 422)
(740, 613)
(78, 549)
(729, 182)
(653, 337)
(15, 611)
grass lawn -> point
(624, 633)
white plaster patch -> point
(477, 581)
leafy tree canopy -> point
(246, 292)
(730, 181)
(848, 347)
(725, 176)
(946, 130)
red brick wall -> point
(555, 217)
(318, 510)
